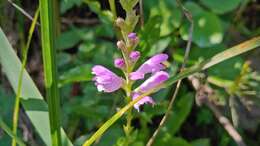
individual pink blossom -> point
(144, 100)
(152, 82)
(119, 63)
(134, 56)
(152, 65)
(132, 36)
(106, 80)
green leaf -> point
(63, 59)
(193, 7)
(77, 74)
(128, 5)
(201, 142)
(31, 99)
(104, 15)
(49, 31)
(221, 6)
(4, 126)
(180, 112)
(68, 4)
(208, 30)
(170, 13)
(72, 37)
(159, 46)
(171, 141)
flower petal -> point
(144, 100)
(106, 80)
(153, 81)
(152, 65)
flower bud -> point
(121, 45)
(120, 22)
(134, 55)
(133, 38)
(119, 63)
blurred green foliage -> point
(165, 30)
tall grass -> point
(18, 93)
(49, 31)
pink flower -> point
(119, 63)
(134, 56)
(152, 65)
(105, 80)
(155, 80)
(144, 100)
(132, 36)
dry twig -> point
(202, 97)
(186, 56)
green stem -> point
(18, 93)
(49, 31)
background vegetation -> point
(88, 37)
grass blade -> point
(4, 126)
(49, 31)
(18, 93)
(31, 99)
(220, 57)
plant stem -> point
(141, 7)
(49, 31)
(128, 90)
(18, 93)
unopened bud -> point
(121, 45)
(120, 22)
(119, 63)
(134, 55)
(133, 38)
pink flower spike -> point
(153, 81)
(119, 63)
(105, 80)
(144, 100)
(134, 55)
(152, 65)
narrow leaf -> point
(31, 99)
(49, 32)
(4, 126)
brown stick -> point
(226, 124)
(186, 56)
(202, 97)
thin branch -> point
(226, 124)
(186, 56)
(141, 8)
(20, 81)
(202, 97)
(22, 11)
